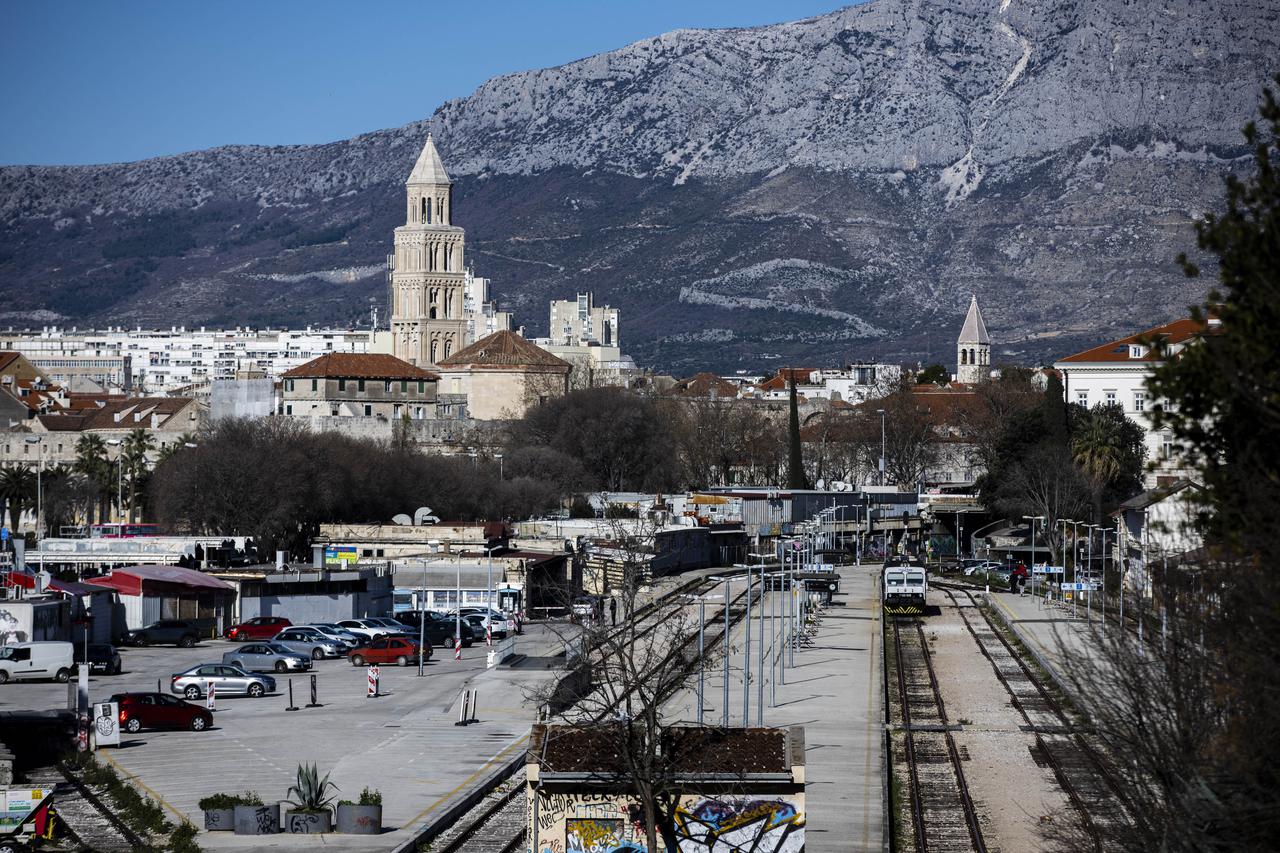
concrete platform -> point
(835, 692)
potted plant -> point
(310, 812)
(253, 817)
(363, 817)
(219, 809)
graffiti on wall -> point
(740, 825)
(592, 835)
(11, 629)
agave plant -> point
(312, 792)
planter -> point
(257, 820)
(308, 822)
(359, 820)
(220, 820)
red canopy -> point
(134, 580)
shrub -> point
(229, 801)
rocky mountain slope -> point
(804, 192)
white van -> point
(27, 661)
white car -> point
(364, 628)
(41, 659)
(501, 623)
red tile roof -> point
(504, 349)
(355, 365)
(1176, 332)
(705, 385)
(133, 412)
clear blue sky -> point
(96, 82)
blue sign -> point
(1047, 570)
(4, 534)
(1080, 587)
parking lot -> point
(403, 743)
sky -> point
(101, 82)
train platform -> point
(835, 691)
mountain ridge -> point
(819, 189)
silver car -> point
(344, 636)
(310, 642)
(260, 657)
(226, 679)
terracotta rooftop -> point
(504, 349)
(705, 385)
(133, 412)
(1117, 351)
(7, 357)
(356, 365)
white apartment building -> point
(1116, 373)
(580, 321)
(481, 313)
(853, 383)
(154, 362)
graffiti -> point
(304, 822)
(552, 847)
(9, 629)
(592, 835)
(740, 825)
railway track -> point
(943, 816)
(88, 820)
(1079, 768)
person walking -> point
(613, 610)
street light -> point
(498, 456)
(38, 440)
(115, 442)
(880, 412)
(1033, 519)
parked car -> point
(310, 642)
(440, 628)
(477, 623)
(393, 626)
(332, 629)
(365, 628)
(103, 658)
(586, 608)
(398, 650)
(261, 657)
(258, 628)
(179, 632)
(981, 568)
(502, 623)
(160, 711)
(227, 679)
(36, 660)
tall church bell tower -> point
(973, 349)
(428, 272)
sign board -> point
(345, 554)
(106, 723)
(1080, 587)
(1048, 570)
(17, 804)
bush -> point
(183, 839)
(229, 801)
(370, 798)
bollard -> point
(466, 711)
(292, 707)
(315, 702)
(475, 701)
(372, 689)
(457, 648)
(210, 690)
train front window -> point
(894, 579)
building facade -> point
(973, 349)
(581, 321)
(345, 385)
(428, 273)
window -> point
(342, 384)
(1082, 397)
(1166, 446)
(1111, 396)
(315, 385)
(288, 385)
(404, 386)
(1136, 351)
(422, 386)
(386, 386)
(360, 385)
(368, 410)
(288, 410)
(1139, 401)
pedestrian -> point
(613, 610)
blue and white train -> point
(904, 586)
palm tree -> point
(18, 486)
(137, 444)
(63, 489)
(92, 463)
(1097, 449)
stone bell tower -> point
(973, 350)
(428, 272)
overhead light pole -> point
(118, 444)
(880, 412)
(38, 441)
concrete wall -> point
(302, 609)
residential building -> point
(973, 348)
(176, 360)
(580, 320)
(428, 270)
(503, 375)
(1116, 373)
(481, 313)
(53, 436)
(350, 385)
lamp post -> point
(1089, 573)
(1033, 519)
(880, 412)
(1104, 574)
(746, 660)
(38, 441)
(116, 443)
(724, 705)
(488, 616)
(498, 456)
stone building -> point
(346, 385)
(502, 375)
(428, 273)
(973, 349)
(581, 321)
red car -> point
(160, 711)
(397, 650)
(258, 628)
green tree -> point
(92, 463)
(934, 373)
(18, 489)
(1109, 450)
(796, 478)
(134, 451)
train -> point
(905, 584)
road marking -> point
(409, 825)
(182, 818)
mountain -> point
(805, 192)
